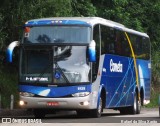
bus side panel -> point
(119, 79)
(144, 69)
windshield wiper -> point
(64, 76)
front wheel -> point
(96, 113)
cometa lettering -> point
(116, 67)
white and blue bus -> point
(85, 64)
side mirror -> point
(92, 51)
(10, 50)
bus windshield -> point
(56, 34)
(57, 65)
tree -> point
(83, 8)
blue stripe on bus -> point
(54, 91)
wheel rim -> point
(100, 107)
(135, 103)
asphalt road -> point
(149, 117)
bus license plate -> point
(52, 103)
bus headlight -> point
(26, 94)
(81, 94)
(21, 103)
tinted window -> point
(114, 42)
(108, 40)
(122, 46)
(146, 47)
(141, 46)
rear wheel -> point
(138, 106)
(135, 109)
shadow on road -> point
(73, 114)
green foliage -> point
(156, 68)
(154, 98)
(83, 8)
(8, 86)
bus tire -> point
(138, 106)
(134, 108)
(96, 113)
(38, 113)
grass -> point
(155, 92)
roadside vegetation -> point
(154, 97)
(8, 86)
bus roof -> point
(88, 21)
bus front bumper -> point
(72, 103)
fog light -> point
(85, 103)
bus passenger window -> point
(107, 43)
(111, 48)
(146, 48)
(122, 45)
